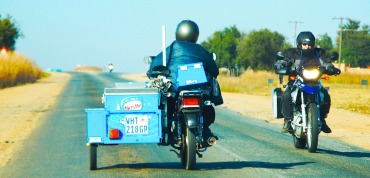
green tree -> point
(9, 33)
(259, 49)
(224, 43)
(355, 44)
(324, 41)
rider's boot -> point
(287, 126)
(324, 127)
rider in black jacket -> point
(184, 50)
(306, 46)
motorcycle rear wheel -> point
(312, 131)
(188, 150)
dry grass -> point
(250, 82)
(16, 69)
(346, 90)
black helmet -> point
(305, 37)
(188, 31)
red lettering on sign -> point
(132, 106)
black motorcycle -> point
(182, 108)
(307, 98)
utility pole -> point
(295, 31)
(340, 37)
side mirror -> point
(148, 59)
(334, 56)
(280, 54)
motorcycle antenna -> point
(164, 54)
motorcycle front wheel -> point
(188, 149)
(312, 127)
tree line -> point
(257, 49)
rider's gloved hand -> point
(281, 63)
(336, 71)
(281, 66)
(331, 70)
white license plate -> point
(135, 124)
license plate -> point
(135, 124)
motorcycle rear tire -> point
(312, 131)
(188, 150)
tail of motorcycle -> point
(190, 109)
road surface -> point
(247, 147)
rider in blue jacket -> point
(184, 50)
(306, 48)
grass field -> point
(16, 69)
(346, 90)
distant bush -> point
(16, 69)
(88, 68)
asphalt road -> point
(247, 147)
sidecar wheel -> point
(93, 153)
(312, 131)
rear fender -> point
(191, 119)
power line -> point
(295, 30)
(340, 36)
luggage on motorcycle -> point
(276, 102)
(190, 76)
(215, 95)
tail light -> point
(190, 101)
(114, 134)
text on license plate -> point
(135, 124)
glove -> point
(331, 70)
(281, 67)
(336, 71)
(280, 64)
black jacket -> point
(179, 53)
(295, 58)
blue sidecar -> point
(136, 113)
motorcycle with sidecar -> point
(137, 113)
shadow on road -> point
(208, 165)
(347, 154)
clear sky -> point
(66, 33)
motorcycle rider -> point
(185, 50)
(110, 67)
(306, 48)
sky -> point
(66, 33)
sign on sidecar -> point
(130, 115)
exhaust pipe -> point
(211, 141)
